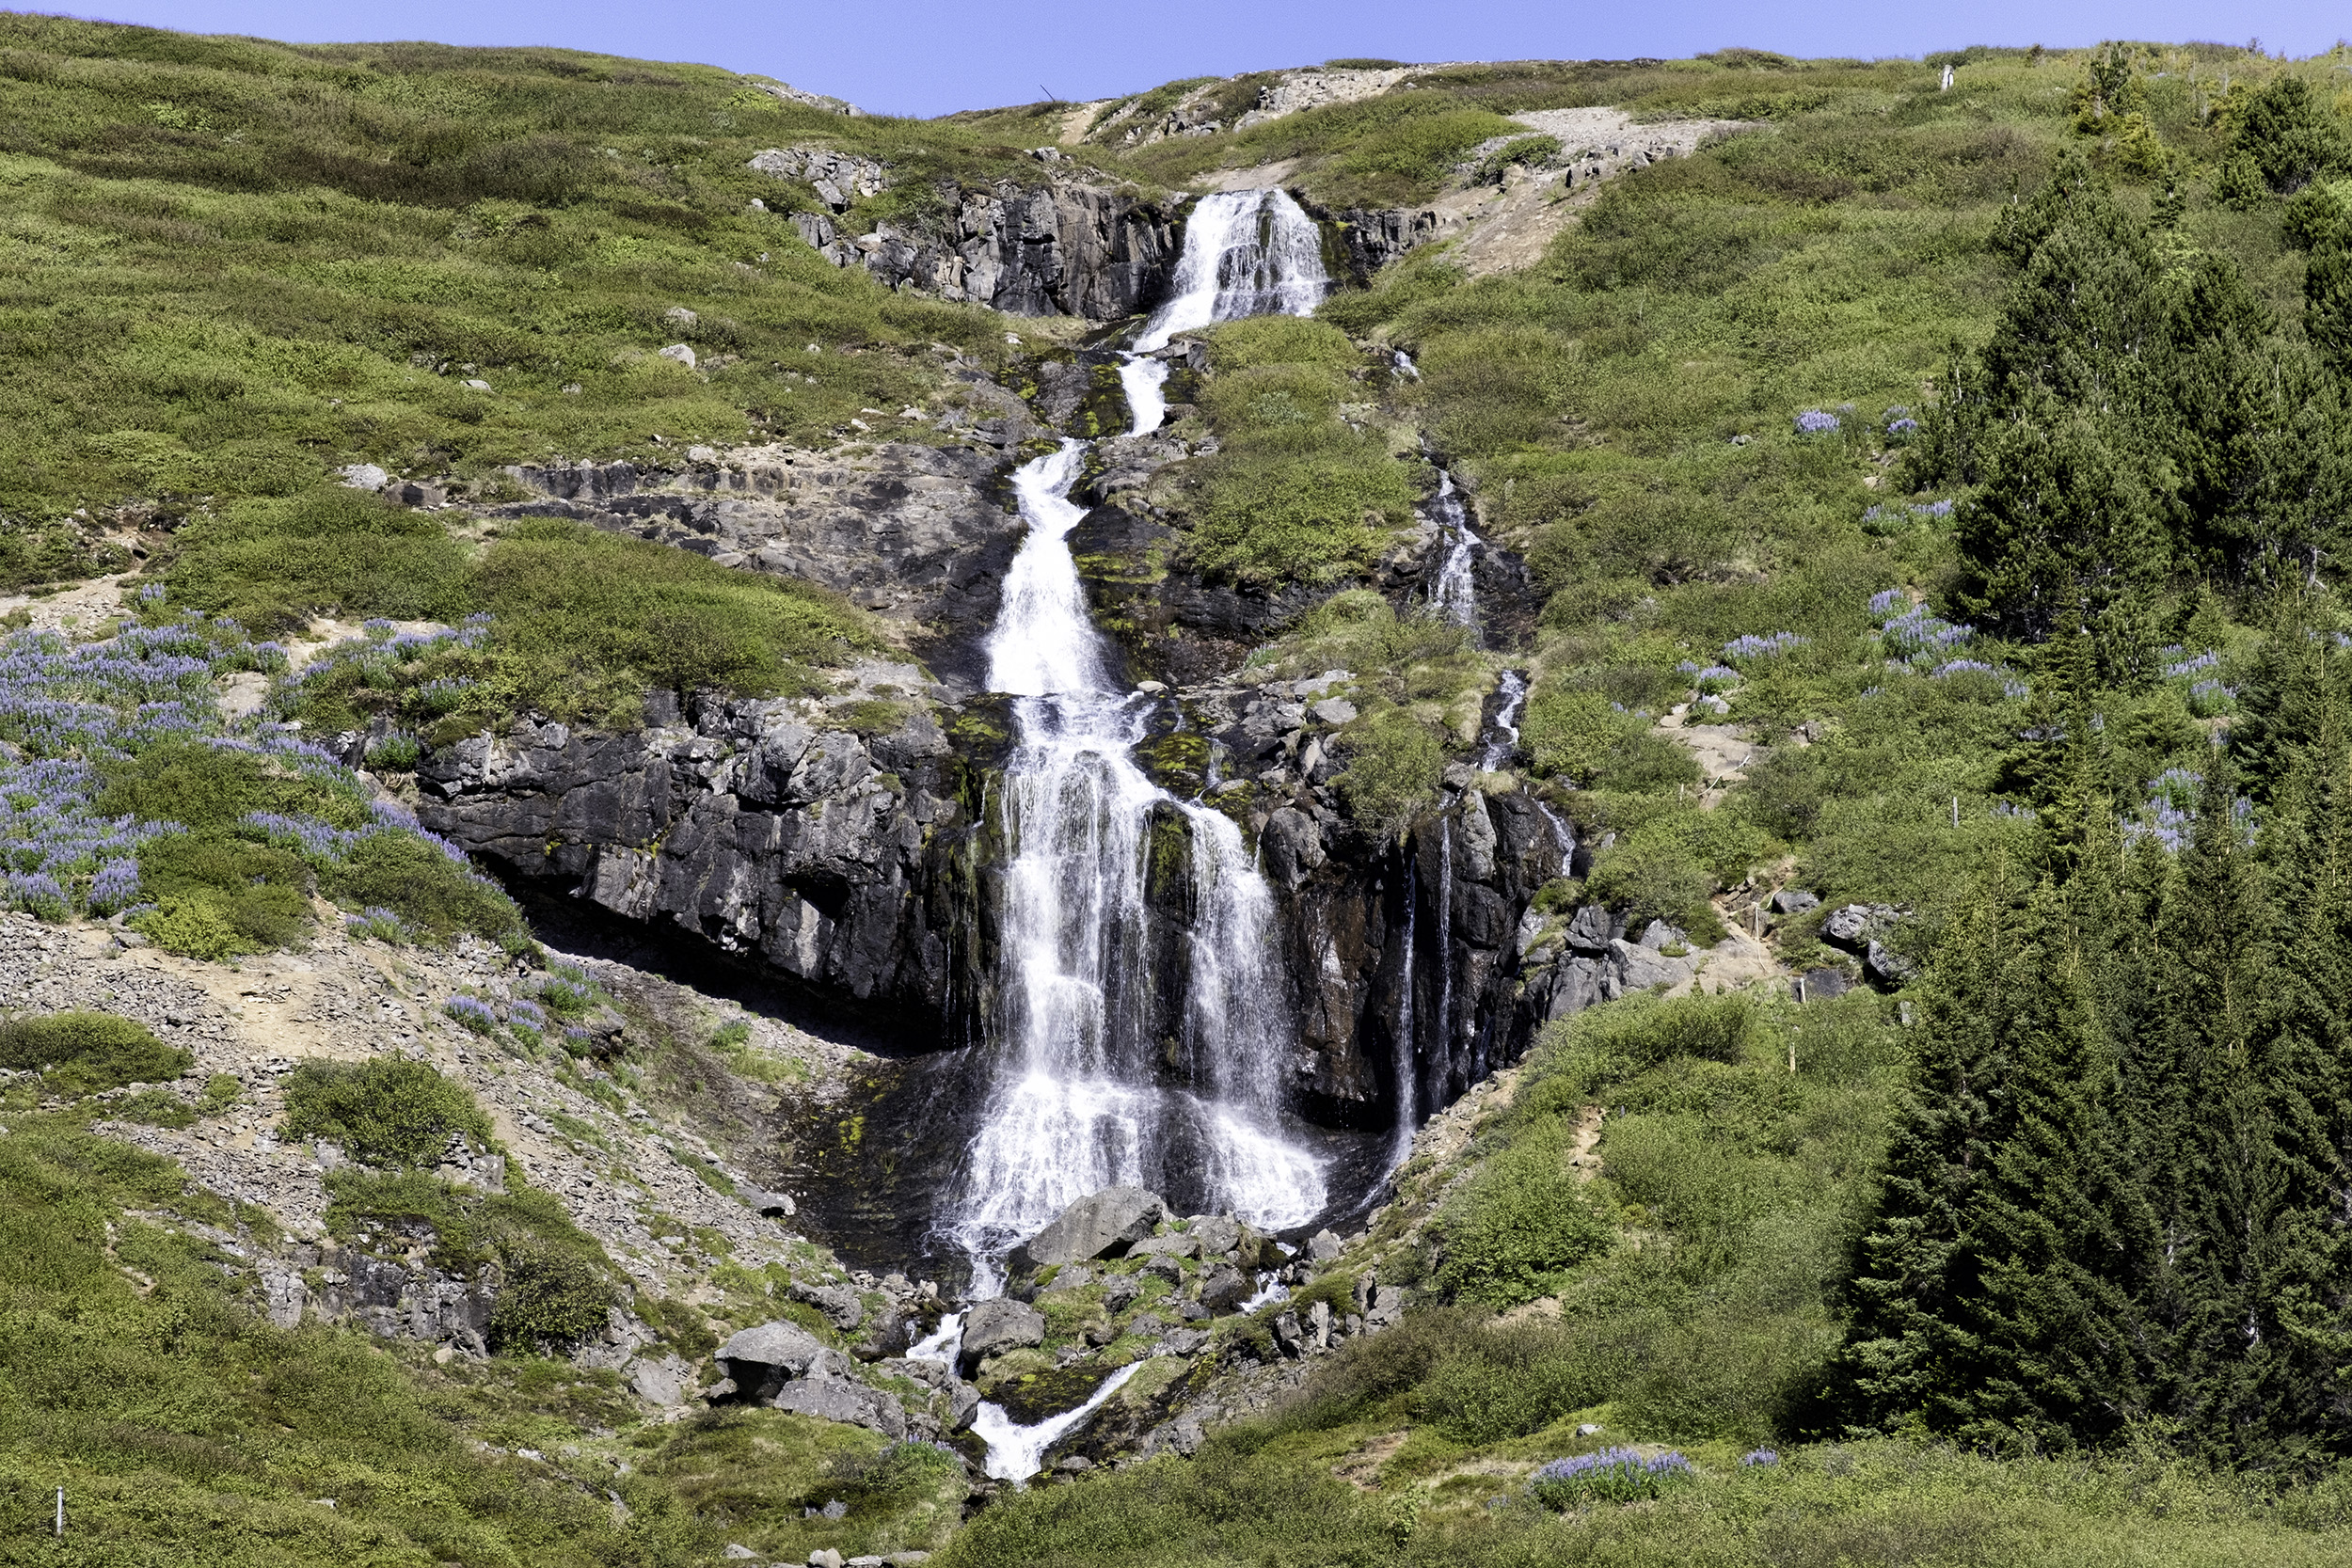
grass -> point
(301, 253)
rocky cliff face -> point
(835, 859)
(1059, 247)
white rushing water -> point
(1505, 744)
(1016, 1452)
(1091, 1082)
(1080, 1099)
(1145, 382)
(1456, 595)
(1247, 253)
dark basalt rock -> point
(833, 861)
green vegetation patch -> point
(81, 1053)
(386, 1112)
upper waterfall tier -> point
(1247, 253)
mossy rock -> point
(1177, 762)
(1031, 1389)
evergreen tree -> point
(1909, 1348)
(2288, 133)
(2065, 525)
(2328, 301)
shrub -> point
(1522, 1222)
(1620, 1040)
(1611, 1476)
(81, 1053)
(388, 1111)
(419, 883)
(253, 893)
(547, 1296)
(1394, 767)
(192, 927)
(471, 1013)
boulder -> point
(1823, 985)
(772, 1349)
(1101, 1224)
(1794, 900)
(1224, 1288)
(662, 1381)
(1658, 936)
(1856, 926)
(1592, 929)
(995, 1326)
(841, 1304)
(1888, 967)
(849, 1403)
(1641, 968)
(1178, 1243)
(1323, 1247)
(1219, 1233)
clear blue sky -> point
(928, 57)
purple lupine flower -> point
(1753, 646)
(1612, 1475)
(1886, 602)
(1755, 1457)
(471, 1012)
(1813, 421)
(2192, 666)
(2208, 698)
(1965, 667)
(526, 1015)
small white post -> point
(61, 1513)
(1948, 80)
(1955, 810)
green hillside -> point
(1986, 451)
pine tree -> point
(2297, 1329)
(2328, 300)
(2202, 1134)
(1909, 1346)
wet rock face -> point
(819, 854)
(1056, 248)
(1461, 880)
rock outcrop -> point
(1101, 1224)
(830, 857)
(1057, 247)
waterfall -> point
(1145, 382)
(1505, 743)
(1445, 949)
(1407, 1073)
(1456, 596)
(1081, 1053)
(1247, 253)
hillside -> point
(1661, 741)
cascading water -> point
(1405, 1060)
(1247, 253)
(1505, 743)
(1456, 595)
(1081, 1095)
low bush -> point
(81, 1053)
(222, 895)
(388, 1111)
(1520, 1224)
(430, 893)
(1394, 767)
